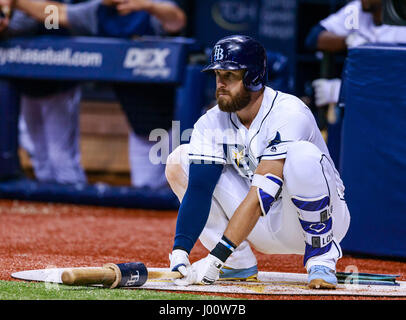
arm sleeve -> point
(195, 207)
(82, 17)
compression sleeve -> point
(195, 207)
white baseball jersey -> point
(351, 18)
(282, 118)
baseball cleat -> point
(321, 277)
(247, 274)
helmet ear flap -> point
(246, 80)
(254, 84)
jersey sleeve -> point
(205, 143)
(294, 126)
(338, 23)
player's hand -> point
(326, 91)
(207, 269)
(355, 39)
(179, 261)
(189, 277)
(6, 7)
(204, 271)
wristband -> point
(223, 249)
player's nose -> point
(219, 83)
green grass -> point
(17, 290)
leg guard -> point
(316, 221)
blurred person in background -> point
(357, 23)
(49, 119)
(144, 108)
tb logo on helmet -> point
(218, 53)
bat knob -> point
(68, 277)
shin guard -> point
(317, 224)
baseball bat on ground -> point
(131, 274)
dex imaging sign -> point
(100, 59)
(148, 62)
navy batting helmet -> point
(241, 52)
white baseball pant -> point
(52, 124)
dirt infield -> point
(37, 235)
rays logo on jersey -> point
(273, 144)
(244, 163)
(275, 140)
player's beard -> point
(233, 103)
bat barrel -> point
(88, 276)
(131, 274)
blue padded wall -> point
(373, 157)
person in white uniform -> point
(357, 23)
(257, 173)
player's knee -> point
(302, 167)
(172, 168)
(303, 153)
(174, 171)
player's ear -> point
(243, 73)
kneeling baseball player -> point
(256, 172)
